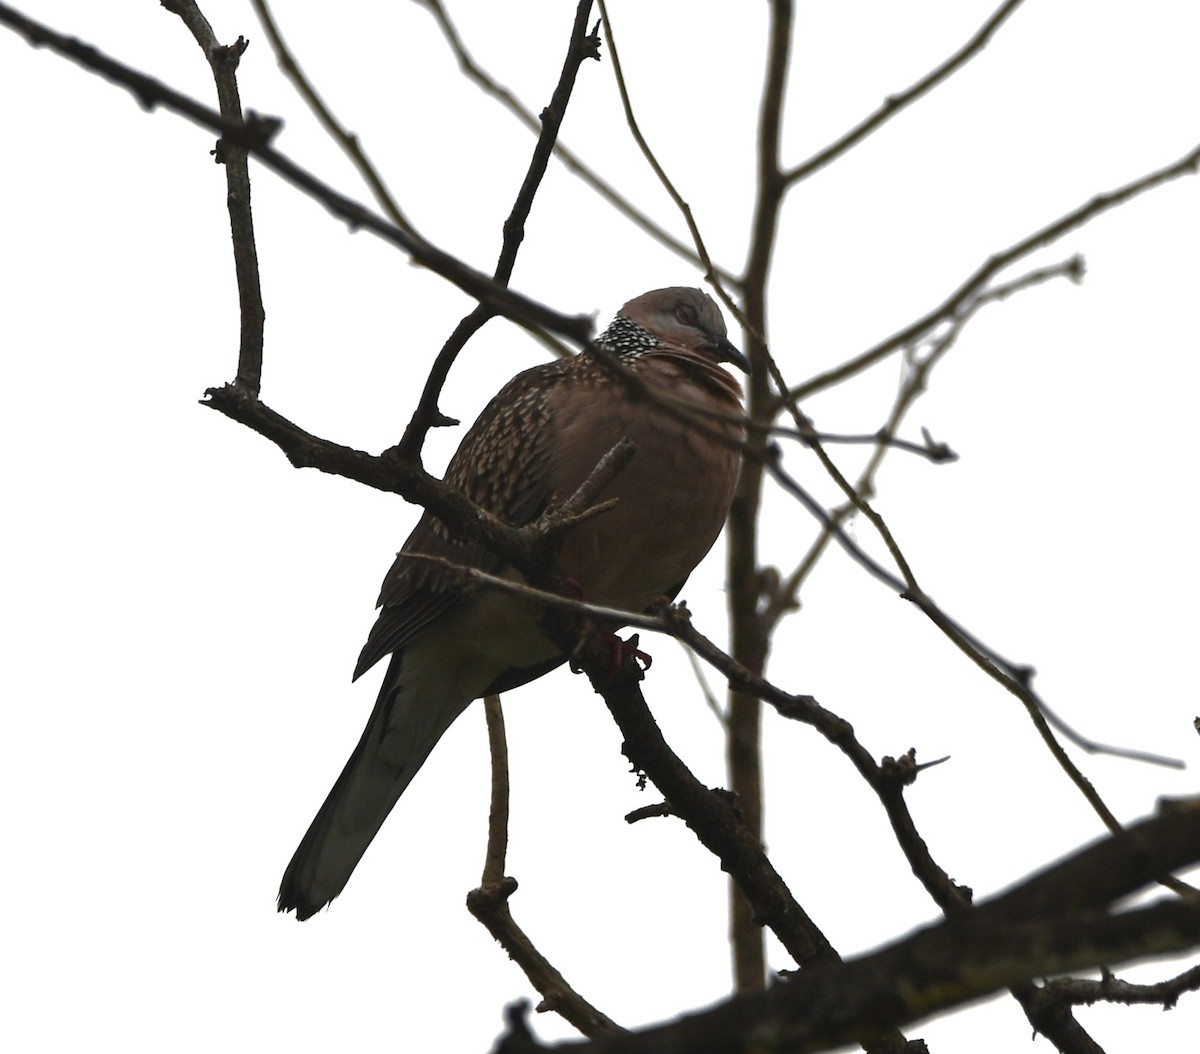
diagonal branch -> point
(894, 104)
(784, 596)
(528, 548)
(712, 817)
(582, 45)
(887, 779)
(346, 140)
(1061, 919)
(711, 273)
(570, 160)
(1187, 165)
(255, 136)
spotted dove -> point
(534, 445)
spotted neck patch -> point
(628, 338)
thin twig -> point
(710, 700)
(711, 816)
(251, 315)
(675, 622)
(489, 903)
(570, 160)
(913, 385)
(893, 104)
(968, 289)
(1016, 680)
(1012, 676)
(888, 780)
(937, 453)
(255, 136)
(1110, 989)
(346, 140)
(711, 274)
(581, 46)
(497, 843)
(1063, 918)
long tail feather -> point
(404, 727)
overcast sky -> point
(184, 609)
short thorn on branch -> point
(647, 812)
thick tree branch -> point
(1060, 919)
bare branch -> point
(715, 822)
(937, 453)
(1060, 919)
(497, 844)
(411, 482)
(255, 136)
(570, 160)
(912, 386)
(252, 316)
(971, 288)
(710, 815)
(711, 274)
(749, 640)
(581, 45)
(344, 139)
(893, 104)
(887, 779)
(1109, 989)
(489, 903)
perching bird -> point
(534, 445)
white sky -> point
(184, 610)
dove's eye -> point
(686, 314)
